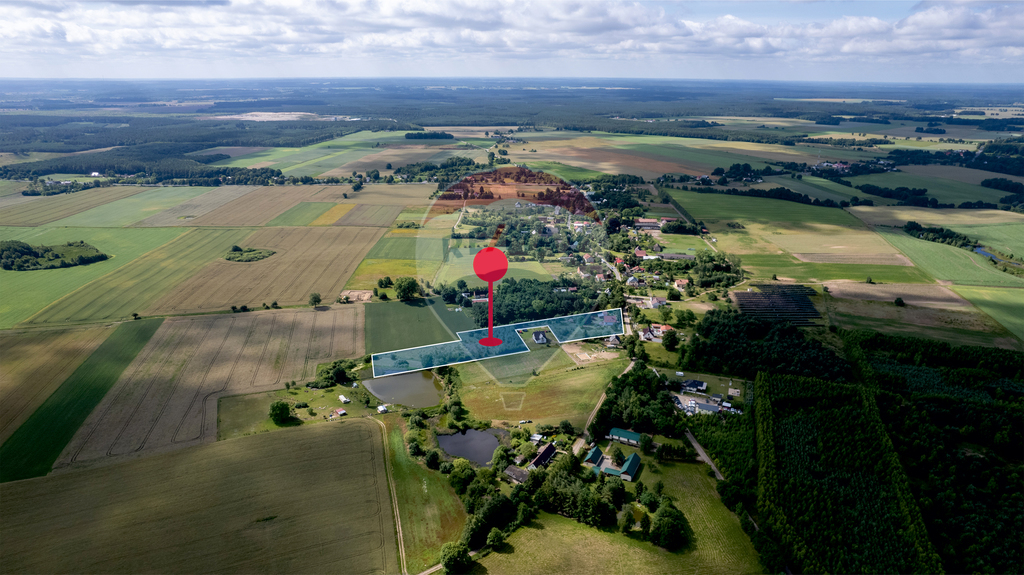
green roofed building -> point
(594, 457)
(624, 436)
(630, 467)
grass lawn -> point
(455, 321)
(515, 370)
(32, 449)
(682, 244)
(564, 393)
(949, 263)
(1004, 305)
(370, 270)
(302, 214)
(738, 208)
(398, 325)
(249, 414)
(132, 209)
(10, 188)
(460, 266)
(27, 292)
(431, 512)
(661, 357)
(762, 266)
(135, 287)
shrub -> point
(899, 302)
(301, 405)
(446, 467)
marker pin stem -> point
(490, 265)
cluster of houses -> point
(544, 456)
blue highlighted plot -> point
(595, 324)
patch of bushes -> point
(237, 254)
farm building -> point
(539, 337)
(647, 224)
(639, 253)
(344, 399)
(544, 456)
(516, 474)
(706, 408)
(340, 411)
(613, 341)
(594, 457)
(630, 467)
(624, 436)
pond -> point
(988, 255)
(416, 389)
(476, 446)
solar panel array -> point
(780, 302)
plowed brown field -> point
(34, 364)
(167, 397)
(307, 260)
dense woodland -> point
(939, 235)
(19, 256)
(529, 299)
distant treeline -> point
(939, 235)
(992, 162)
(1016, 189)
(774, 193)
(428, 136)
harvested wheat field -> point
(377, 194)
(52, 208)
(370, 216)
(308, 260)
(867, 259)
(899, 215)
(258, 207)
(184, 214)
(332, 215)
(230, 507)
(922, 295)
(167, 397)
(33, 364)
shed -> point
(630, 467)
(624, 436)
(517, 474)
(382, 409)
(340, 411)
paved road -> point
(703, 455)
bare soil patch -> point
(921, 295)
(167, 398)
(357, 295)
(308, 260)
(33, 364)
(871, 259)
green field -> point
(9, 187)
(456, 321)
(249, 414)
(302, 214)
(681, 244)
(132, 209)
(786, 266)
(32, 449)
(370, 270)
(945, 191)
(817, 188)
(721, 207)
(408, 248)
(1006, 305)
(460, 266)
(518, 369)
(39, 288)
(135, 287)
(952, 264)
(398, 325)
(564, 171)
(431, 512)
(1007, 238)
(309, 500)
(557, 394)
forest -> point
(530, 299)
(19, 256)
(939, 235)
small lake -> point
(476, 446)
(416, 389)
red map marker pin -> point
(490, 265)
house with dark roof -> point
(544, 457)
(539, 337)
(624, 436)
(517, 474)
(630, 467)
(594, 457)
(706, 408)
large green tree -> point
(455, 557)
(280, 412)
(406, 288)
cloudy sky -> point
(889, 41)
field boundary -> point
(392, 493)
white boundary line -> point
(511, 325)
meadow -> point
(515, 370)
(406, 248)
(398, 325)
(568, 392)
(136, 286)
(236, 509)
(763, 266)
(127, 211)
(248, 413)
(37, 289)
(896, 216)
(1003, 305)
(948, 263)
(32, 449)
(11, 187)
(370, 215)
(167, 398)
(34, 364)
(307, 260)
(1007, 238)
(460, 266)
(52, 208)
(944, 190)
(719, 207)
(370, 270)
(303, 214)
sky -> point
(799, 40)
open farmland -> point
(1007, 238)
(302, 214)
(957, 174)
(370, 216)
(738, 208)
(332, 215)
(129, 210)
(370, 270)
(896, 216)
(460, 266)
(308, 260)
(408, 248)
(34, 364)
(10, 187)
(34, 446)
(52, 208)
(398, 325)
(136, 286)
(234, 510)
(379, 194)
(1002, 304)
(788, 268)
(167, 398)
(183, 214)
(951, 264)
(942, 189)
(37, 289)
(258, 207)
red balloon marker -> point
(490, 265)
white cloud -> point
(461, 37)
